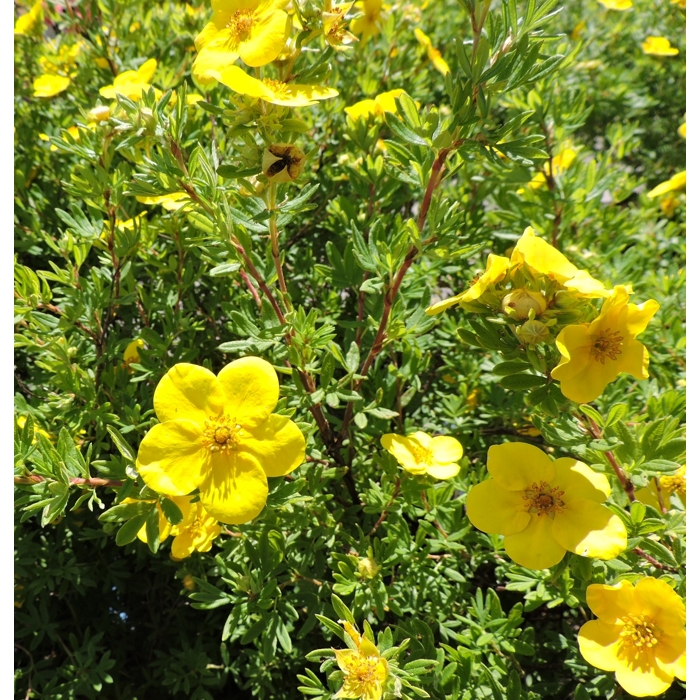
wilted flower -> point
(561, 162)
(282, 162)
(333, 19)
(195, 532)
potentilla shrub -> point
(349, 349)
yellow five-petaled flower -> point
(218, 434)
(593, 354)
(545, 508)
(364, 668)
(639, 634)
(419, 453)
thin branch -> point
(385, 512)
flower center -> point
(638, 633)
(543, 499)
(221, 434)
(674, 483)
(240, 24)
(364, 671)
(422, 455)
(278, 87)
(607, 344)
(197, 527)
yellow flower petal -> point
(363, 109)
(659, 601)
(267, 39)
(658, 46)
(496, 510)
(387, 100)
(183, 545)
(277, 444)
(31, 20)
(172, 202)
(50, 85)
(598, 642)
(235, 490)
(616, 4)
(401, 448)
(642, 677)
(442, 471)
(446, 449)
(517, 465)
(589, 529)
(670, 655)
(172, 459)
(677, 182)
(188, 391)
(535, 546)
(577, 478)
(251, 390)
(611, 603)
(146, 71)
(542, 257)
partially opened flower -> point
(660, 489)
(616, 4)
(282, 162)
(639, 634)
(334, 27)
(544, 259)
(384, 102)
(433, 54)
(593, 354)
(253, 30)
(658, 46)
(371, 21)
(496, 269)
(30, 21)
(274, 91)
(218, 434)
(545, 508)
(419, 453)
(132, 83)
(195, 532)
(364, 668)
(676, 183)
(50, 85)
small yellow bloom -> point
(658, 46)
(131, 354)
(616, 4)
(593, 354)
(545, 508)
(365, 670)
(384, 102)
(196, 531)
(282, 162)
(543, 259)
(99, 114)
(274, 91)
(22, 420)
(49, 85)
(433, 54)
(639, 634)
(496, 269)
(218, 434)
(677, 182)
(253, 30)
(561, 162)
(419, 453)
(171, 202)
(333, 19)
(660, 489)
(30, 21)
(132, 83)
(371, 22)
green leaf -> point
(521, 382)
(512, 367)
(342, 610)
(130, 529)
(153, 529)
(637, 512)
(171, 511)
(121, 444)
(402, 131)
(514, 687)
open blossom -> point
(132, 83)
(49, 85)
(658, 46)
(274, 91)
(371, 21)
(419, 453)
(545, 508)
(334, 25)
(364, 668)
(253, 30)
(639, 634)
(593, 354)
(218, 434)
(660, 489)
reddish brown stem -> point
(654, 562)
(627, 485)
(77, 481)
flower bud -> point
(99, 114)
(533, 332)
(519, 302)
(368, 567)
(282, 162)
(189, 583)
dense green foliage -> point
(102, 615)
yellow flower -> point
(196, 531)
(274, 91)
(433, 54)
(131, 354)
(545, 507)
(561, 162)
(171, 202)
(333, 19)
(371, 22)
(384, 102)
(218, 434)
(681, 130)
(660, 489)
(100, 113)
(677, 182)
(658, 46)
(282, 162)
(365, 670)
(593, 354)
(253, 30)
(543, 259)
(132, 83)
(49, 85)
(29, 21)
(496, 269)
(639, 635)
(22, 420)
(419, 453)
(616, 4)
